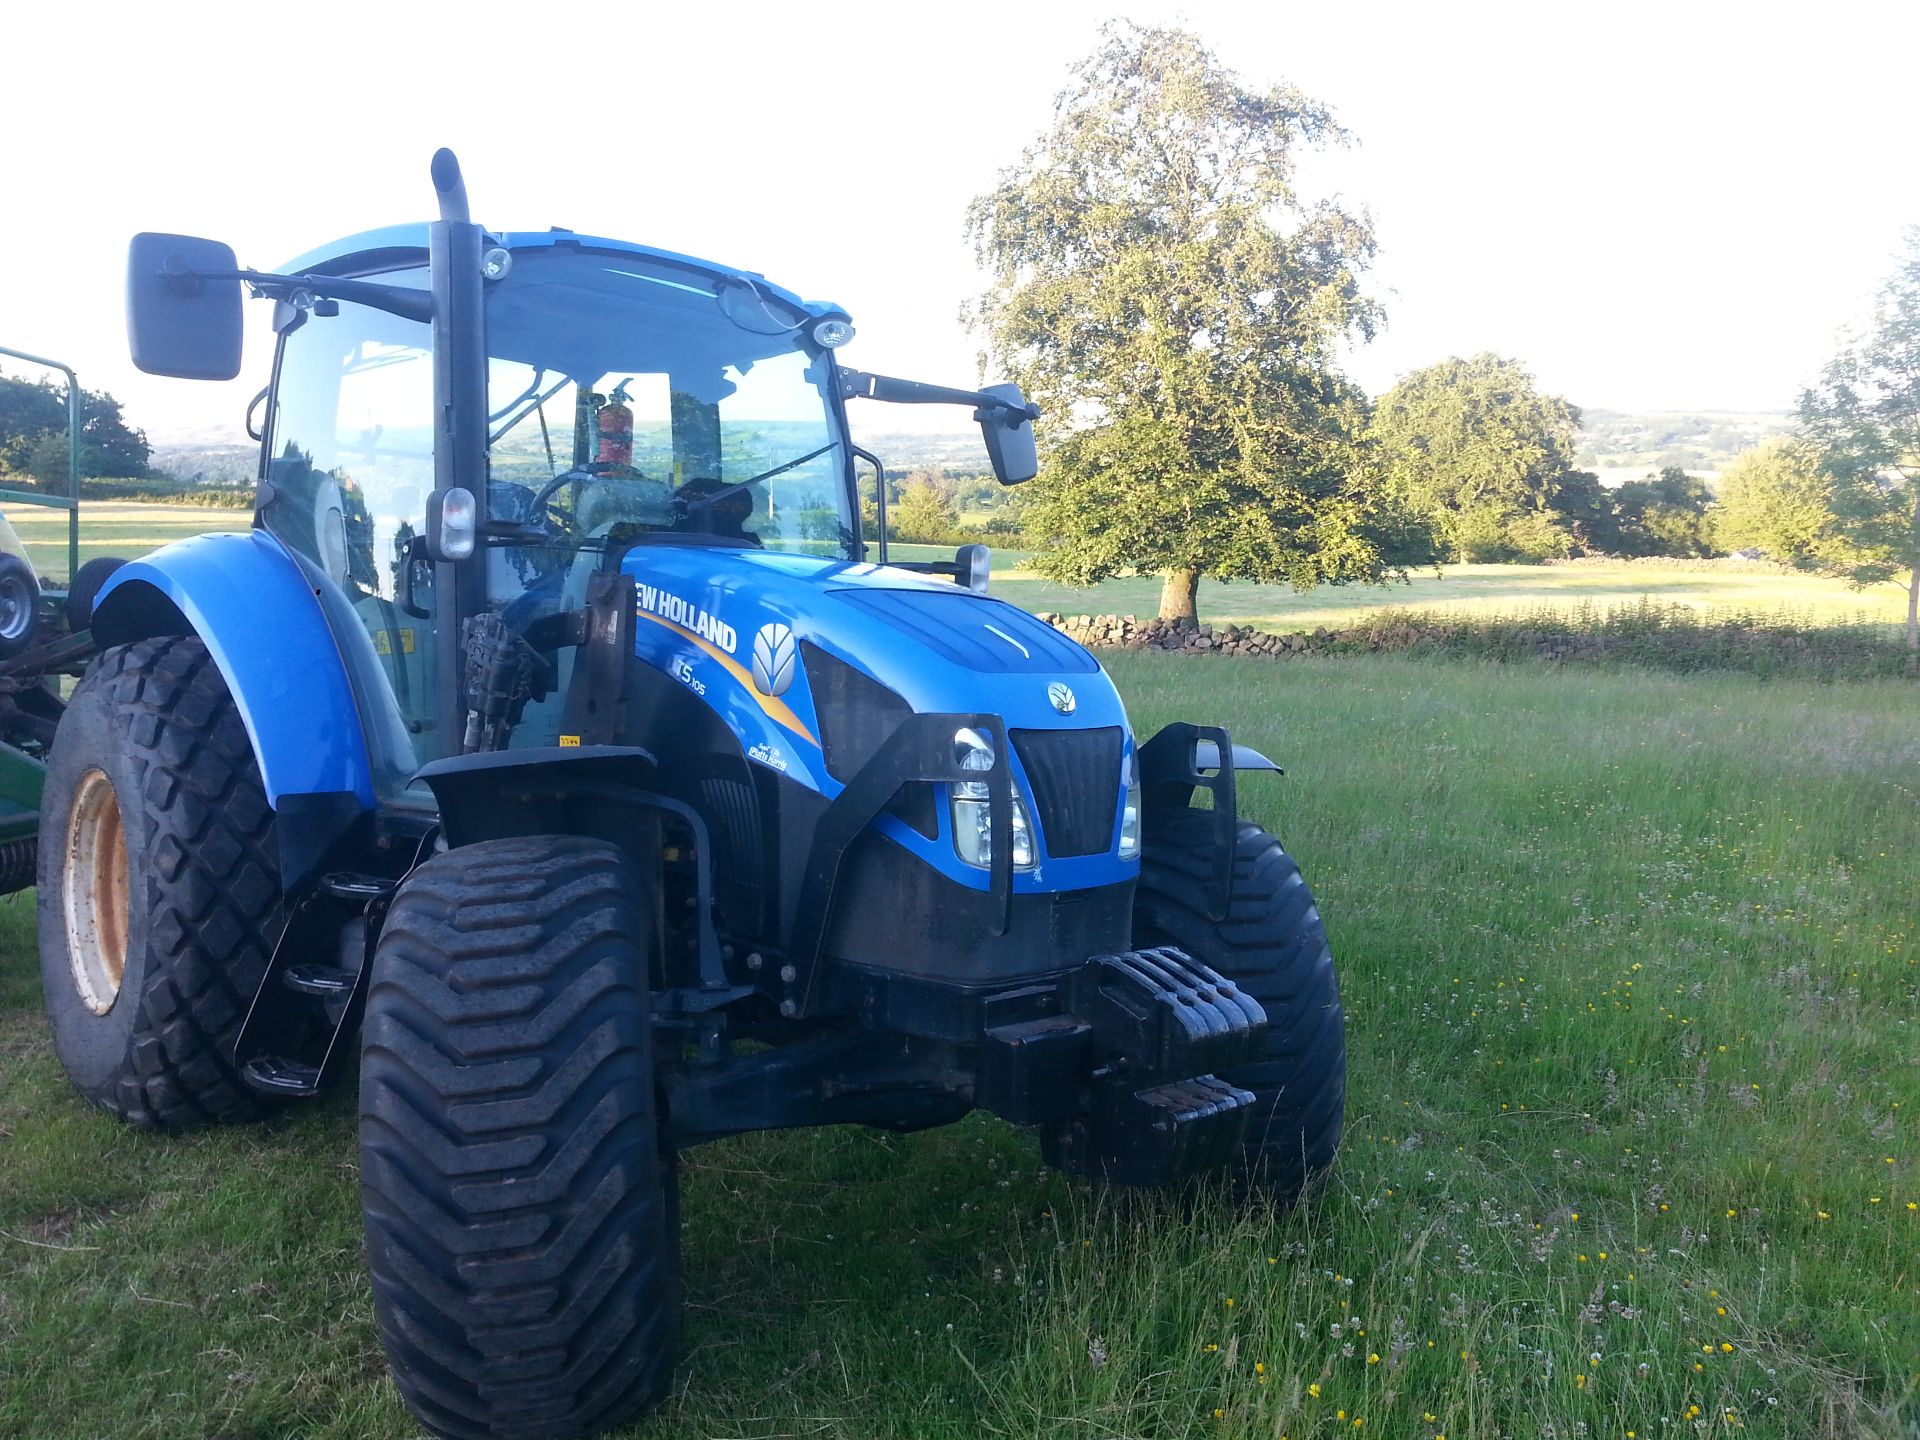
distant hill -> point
(1617, 444)
(960, 452)
(1628, 444)
(222, 457)
(211, 455)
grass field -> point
(1474, 589)
(132, 528)
(1632, 970)
(124, 528)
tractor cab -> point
(632, 399)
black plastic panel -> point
(857, 713)
(895, 912)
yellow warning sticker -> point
(383, 642)
(569, 741)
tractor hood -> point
(753, 632)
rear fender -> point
(247, 599)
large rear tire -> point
(159, 880)
(1273, 946)
(519, 1223)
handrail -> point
(70, 502)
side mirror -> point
(177, 323)
(1009, 437)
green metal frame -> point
(70, 502)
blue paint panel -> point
(990, 636)
(940, 648)
(246, 598)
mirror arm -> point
(394, 299)
(859, 385)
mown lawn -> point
(1475, 589)
(1632, 969)
(113, 527)
(131, 528)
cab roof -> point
(399, 244)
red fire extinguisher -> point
(615, 424)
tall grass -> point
(1632, 970)
(1655, 633)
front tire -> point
(159, 900)
(1273, 946)
(519, 1221)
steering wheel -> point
(589, 471)
(534, 516)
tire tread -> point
(1273, 944)
(213, 899)
(524, 1265)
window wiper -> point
(714, 497)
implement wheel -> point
(19, 864)
(520, 1225)
(159, 882)
(19, 605)
(1273, 946)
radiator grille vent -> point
(1075, 775)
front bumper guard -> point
(1114, 1062)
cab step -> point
(277, 1075)
(298, 1033)
(326, 982)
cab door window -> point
(348, 471)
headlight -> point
(973, 810)
(1130, 823)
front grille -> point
(1075, 776)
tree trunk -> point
(1913, 594)
(1179, 592)
(1913, 620)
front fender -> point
(247, 599)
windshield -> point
(634, 402)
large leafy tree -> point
(1583, 510)
(1481, 453)
(1776, 497)
(1864, 420)
(1665, 514)
(1164, 293)
(33, 434)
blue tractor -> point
(557, 736)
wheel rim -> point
(16, 609)
(96, 893)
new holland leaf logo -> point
(773, 657)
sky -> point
(1668, 206)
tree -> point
(1583, 509)
(1665, 514)
(33, 434)
(1776, 497)
(1175, 308)
(923, 512)
(1864, 420)
(1474, 447)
